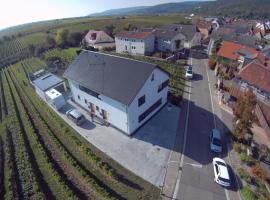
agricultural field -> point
(44, 158)
(18, 48)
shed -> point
(55, 98)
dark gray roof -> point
(113, 76)
(166, 34)
(246, 40)
(47, 81)
(188, 30)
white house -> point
(123, 92)
(44, 81)
(141, 43)
(98, 39)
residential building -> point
(168, 40)
(135, 43)
(240, 53)
(120, 91)
(98, 39)
(192, 34)
(43, 81)
(234, 33)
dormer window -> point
(153, 77)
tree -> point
(244, 115)
(75, 38)
(50, 42)
(62, 37)
(109, 29)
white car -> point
(221, 172)
(189, 73)
(215, 141)
(76, 116)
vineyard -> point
(41, 157)
(17, 49)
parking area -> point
(146, 153)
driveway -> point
(146, 153)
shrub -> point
(247, 193)
(211, 64)
(244, 157)
(242, 173)
(259, 172)
(237, 147)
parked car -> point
(215, 141)
(221, 172)
(75, 115)
(189, 73)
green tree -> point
(31, 48)
(50, 42)
(75, 38)
(109, 29)
(62, 37)
(244, 115)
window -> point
(141, 100)
(149, 110)
(79, 97)
(85, 101)
(152, 77)
(163, 85)
(88, 91)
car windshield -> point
(221, 163)
(224, 180)
(79, 118)
(216, 142)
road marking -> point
(194, 165)
(184, 145)
(212, 105)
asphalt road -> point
(197, 177)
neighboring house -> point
(255, 76)
(44, 81)
(240, 53)
(234, 33)
(135, 43)
(205, 30)
(192, 34)
(98, 39)
(120, 91)
(168, 40)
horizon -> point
(37, 10)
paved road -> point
(196, 177)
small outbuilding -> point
(55, 98)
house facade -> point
(135, 43)
(98, 39)
(119, 91)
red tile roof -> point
(135, 35)
(232, 50)
(257, 75)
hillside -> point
(235, 8)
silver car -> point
(189, 73)
(75, 115)
(215, 141)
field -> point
(35, 33)
(17, 49)
(42, 157)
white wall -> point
(142, 46)
(117, 115)
(150, 90)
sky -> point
(15, 12)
